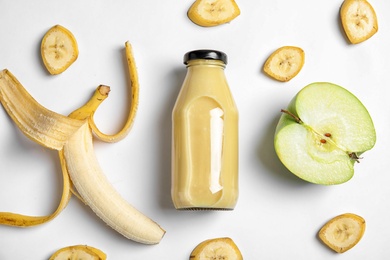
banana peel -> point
(72, 137)
(19, 220)
(43, 126)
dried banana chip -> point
(343, 232)
(213, 12)
(79, 252)
(285, 63)
(217, 248)
(359, 20)
(58, 49)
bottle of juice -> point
(205, 136)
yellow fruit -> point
(79, 252)
(285, 63)
(80, 162)
(343, 232)
(213, 12)
(72, 136)
(359, 20)
(217, 248)
(58, 49)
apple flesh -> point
(322, 133)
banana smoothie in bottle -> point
(205, 136)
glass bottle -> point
(205, 136)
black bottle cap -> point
(205, 54)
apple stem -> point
(355, 157)
(292, 115)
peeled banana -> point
(359, 20)
(95, 189)
(213, 12)
(285, 63)
(79, 252)
(58, 49)
(72, 137)
(343, 232)
(216, 248)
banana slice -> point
(359, 20)
(58, 49)
(217, 248)
(213, 12)
(79, 252)
(343, 232)
(285, 63)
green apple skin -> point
(323, 133)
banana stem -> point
(86, 111)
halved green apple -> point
(322, 134)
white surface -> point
(278, 215)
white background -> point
(277, 215)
